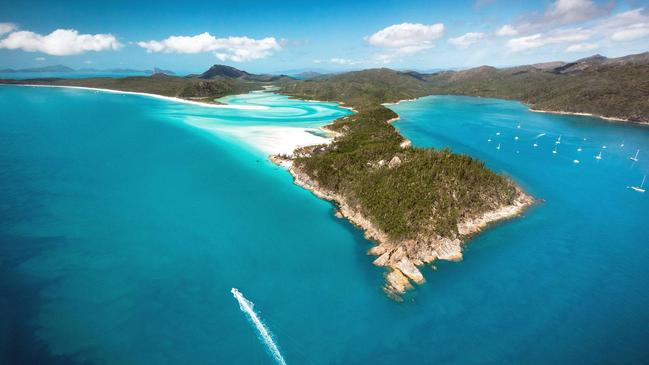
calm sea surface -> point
(126, 220)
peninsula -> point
(417, 204)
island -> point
(418, 205)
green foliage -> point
(429, 192)
(611, 90)
(159, 84)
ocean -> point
(126, 221)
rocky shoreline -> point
(403, 258)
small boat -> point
(497, 133)
(558, 141)
(554, 151)
(635, 158)
(535, 145)
(489, 140)
(518, 126)
(604, 147)
(516, 138)
(579, 149)
(640, 189)
(498, 146)
(575, 161)
(599, 157)
(622, 144)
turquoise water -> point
(127, 220)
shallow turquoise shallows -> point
(125, 221)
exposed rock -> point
(405, 144)
(410, 270)
(394, 162)
(382, 260)
(402, 256)
(396, 282)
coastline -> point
(156, 96)
(403, 258)
(610, 119)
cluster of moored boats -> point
(635, 158)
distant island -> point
(418, 204)
(66, 69)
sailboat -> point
(558, 141)
(497, 133)
(555, 150)
(518, 126)
(604, 147)
(640, 189)
(535, 144)
(622, 144)
(489, 140)
(516, 138)
(498, 146)
(575, 161)
(579, 149)
(635, 158)
(599, 157)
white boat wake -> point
(539, 135)
(264, 334)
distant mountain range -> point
(223, 71)
(609, 87)
(66, 69)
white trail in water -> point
(539, 135)
(264, 333)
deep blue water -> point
(126, 220)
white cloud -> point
(627, 26)
(582, 47)
(573, 11)
(61, 42)
(525, 43)
(237, 49)
(407, 38)
(630, 33)
(544, 39)
(344, 61)
(7, 27)
(506, 31)
(559, 13)
(466, 40)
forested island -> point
(418, 204)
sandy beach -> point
(167, 98)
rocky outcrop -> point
(394, 162)
(402, 258)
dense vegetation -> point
(160, 84)
(409, 191)
(426, 191)
(610, 90)
(615, 87)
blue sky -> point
(333, 35)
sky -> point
(273, 36)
